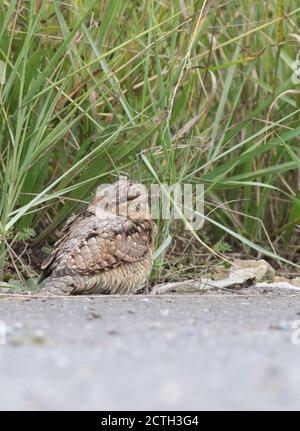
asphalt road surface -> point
(150, 352)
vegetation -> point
(182, 91)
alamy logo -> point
(2, 332)
(295, 66)
(159, 201)
(296, 334)
(178, 201)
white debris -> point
(242, 274)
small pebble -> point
(281, 326)
(18, 325)
(93, 315)
(113, 332)
(165, 312)
(38, 337)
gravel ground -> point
(145, 352)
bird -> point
(107, 248)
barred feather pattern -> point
(111, 254)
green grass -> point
(90, 90)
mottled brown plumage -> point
(105, 249)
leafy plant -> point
(163, 92)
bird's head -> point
(124, 198)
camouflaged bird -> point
(107, 248)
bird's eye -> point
(131, 197)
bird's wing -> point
(47, 265)
(101, 245)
